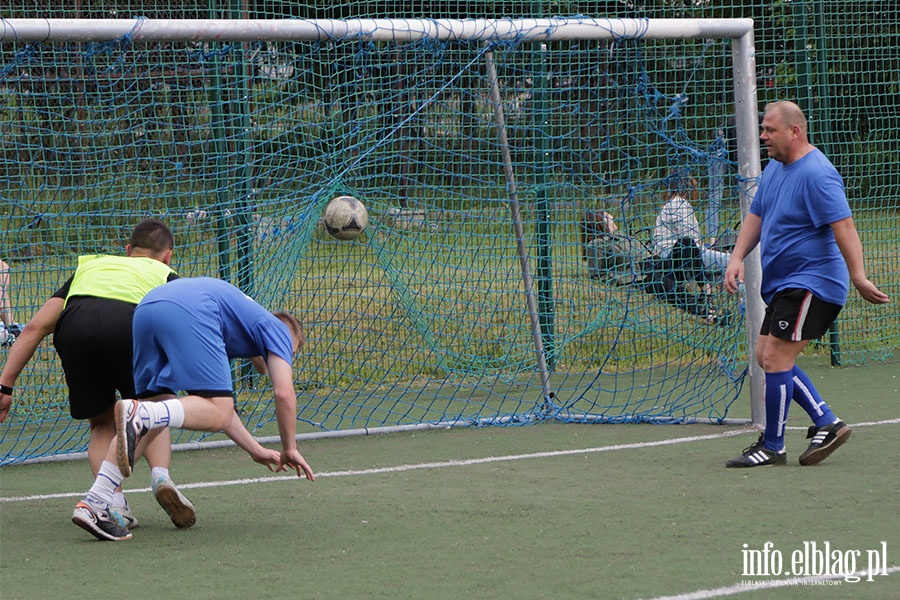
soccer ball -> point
(345, 217)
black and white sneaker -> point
(758, 455)
(825, 440)
(129, 429)
(98, 523)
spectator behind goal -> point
(622, 260)
(611, 257)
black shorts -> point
(93, 340)
(797, 315)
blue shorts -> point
(175, 351)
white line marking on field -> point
(439, 465)
(415, 467)
(733, 590)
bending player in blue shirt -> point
(809, 249)
(185, 334)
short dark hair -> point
(152, 235)
(294, 326)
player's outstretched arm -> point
(39, 327)
(286, 412)
(848, 241)
(245, 440)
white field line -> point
(438, 465)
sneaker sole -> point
(179, 510)
(820, 454)
(122, 438)
(90, 526)
(735, 465)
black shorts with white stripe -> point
(796, 315)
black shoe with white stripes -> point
(758, 455)
(825, 440)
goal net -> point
(484, 151)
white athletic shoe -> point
(176, 505)
(129, 429)
(123, 516)
(98, 523)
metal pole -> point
(243, 152)
(220, 152)
(500, 120)
(238, 225)
(275, 30)
(716, 171)
(746, 114)
(824, 126)
(542, 212)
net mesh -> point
(424, 319)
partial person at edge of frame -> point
(9, 329)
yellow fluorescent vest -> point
(125, 278)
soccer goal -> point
(480, 148)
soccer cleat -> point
(758, 455)
(176, 505)
(825, 440)
(123, 516)
(129, 429)
(98, 523)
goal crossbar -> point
(237, 30)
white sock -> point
(158, 472)
(108, 479)
(119, 499)
(168, 413)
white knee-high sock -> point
(168, 413)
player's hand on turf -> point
(292, 459)
(271, 459)
(870, 292)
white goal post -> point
(740, 31)
(243, 30)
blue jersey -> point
(247, 328)
(797, 204)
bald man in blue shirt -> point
(810, 251)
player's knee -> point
(774, 361)
(223, 414)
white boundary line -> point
(412, 467)
(442, 464)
